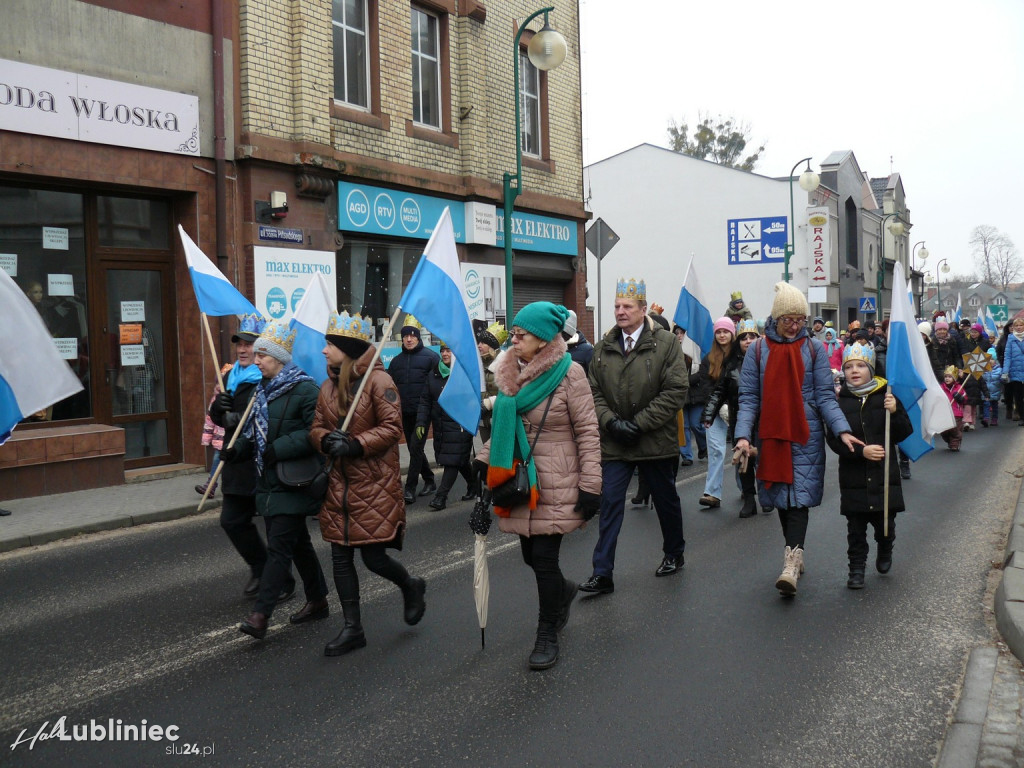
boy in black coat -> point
(864, 401)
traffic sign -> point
(1000, 312)
(867, 305)
(600, 239)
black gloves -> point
(480, 470)
(229, 454)
(223, 402)
(269, 455)
(221, 413)
(588, 503)
(338, 444)
(624, 431)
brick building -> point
(285, 137)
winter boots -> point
(791, 570)
(569, 590)
(413, 593)
(545, 649)
(749, 508)
(351, 636)
(883, 560)
(856, 579)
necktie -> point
(629, 344)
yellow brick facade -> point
(286, 79)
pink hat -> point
(726, 324)
(939, 324)
(978, 327)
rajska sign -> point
(819, 246)
(50, 102)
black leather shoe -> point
(252, 587)
(884, 560)
(702, 453)
(429, 488)
(599, 585)
(670, 565)
(313, 611)
(254, 626)
(410, 496)
(686, 462)
(856, 580)
(469, 494)
(545, 649)
(287, 593)
(440, 501)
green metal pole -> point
(791, 240)
(510, 193)
(881, 266)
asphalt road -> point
(707, 668)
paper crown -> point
(279, 334)
(251, 324)
(657, 308)
(354, 326)
(862, 352)
(949, 370)
(746, 326)
(410, 320)
(736, 296)
(497, 330)
(631, 290)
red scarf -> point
(784, 422)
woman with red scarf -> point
(792, 369)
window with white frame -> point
(974, 301)
(351, 53)
(1000, 300)
(426, 69)
(529, 106)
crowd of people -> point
(565, 426)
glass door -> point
(139, 357)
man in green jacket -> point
(640, 382)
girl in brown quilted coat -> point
(364, 508)
(545, 401)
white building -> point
(666, 206)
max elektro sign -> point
(50, 102)
(381, 211)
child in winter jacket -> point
(957, 398)
(977, 393)
(865, 401)
(994, 382)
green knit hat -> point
(542, 318)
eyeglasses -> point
(793, 320)
(520, 335)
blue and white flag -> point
(33, 375)
(910, 375)
(990, 323)
(434, 297)
(959, 313)
(692, 311)
(215, 294)
(309, 323)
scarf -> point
(831, 344)
(257, 425)
(509, 444)
(784, 423)
(865, 389)
(238, 375)
(444, 369)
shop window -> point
(42, 239)
(125, 222)
(372, 277)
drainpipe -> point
(219, 142)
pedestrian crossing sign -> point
(867, 305)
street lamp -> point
(914, 255)
(897, 228)
(938, 281)
(809, 182)
(546, 51)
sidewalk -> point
(43, 519)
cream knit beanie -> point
(789, 301)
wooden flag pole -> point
(885, 472)
(213, 352)
(231, 444)
(373, 361)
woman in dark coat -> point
(275, 432)
(452, 444)
(864, 402)
(364, 508)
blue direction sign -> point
(867, 305)
(757, 241)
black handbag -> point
(516, 490)
(307, 474)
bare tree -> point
(989, 246)
(721, 140)
(1006, 262)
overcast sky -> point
(935, 85)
